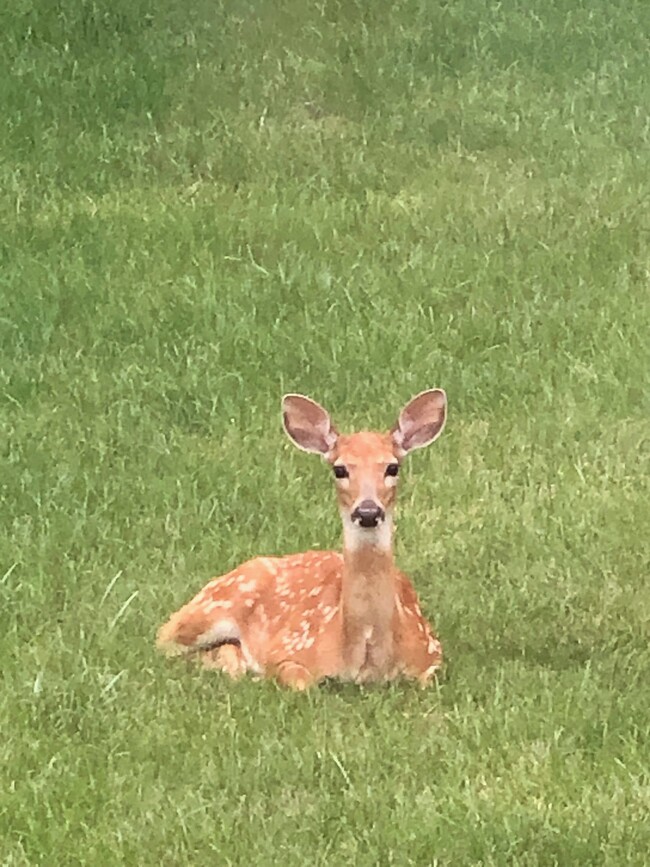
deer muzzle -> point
(368, 514)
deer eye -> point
(392, 469)
(341, 472)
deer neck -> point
(369, 580)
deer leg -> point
(228, 658)
(421, 658)
(294, 675)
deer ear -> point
(421, 421)
(308, 425)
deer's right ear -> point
(308, 425)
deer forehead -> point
(364, 449)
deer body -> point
(305, 617)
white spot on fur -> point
(269, 565)
(433, 645)
(328, 612)
(221, 603)
(289, 642)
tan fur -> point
(305, 617)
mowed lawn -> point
(206, 204)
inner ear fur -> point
(421, 421)
(308, 425)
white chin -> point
(357, 536)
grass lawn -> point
(206, 204)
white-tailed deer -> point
(305, 617)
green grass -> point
(206, 204)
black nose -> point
(368, 514)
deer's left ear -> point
(421, 421)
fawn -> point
(305, 617)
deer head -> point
(365, 464)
